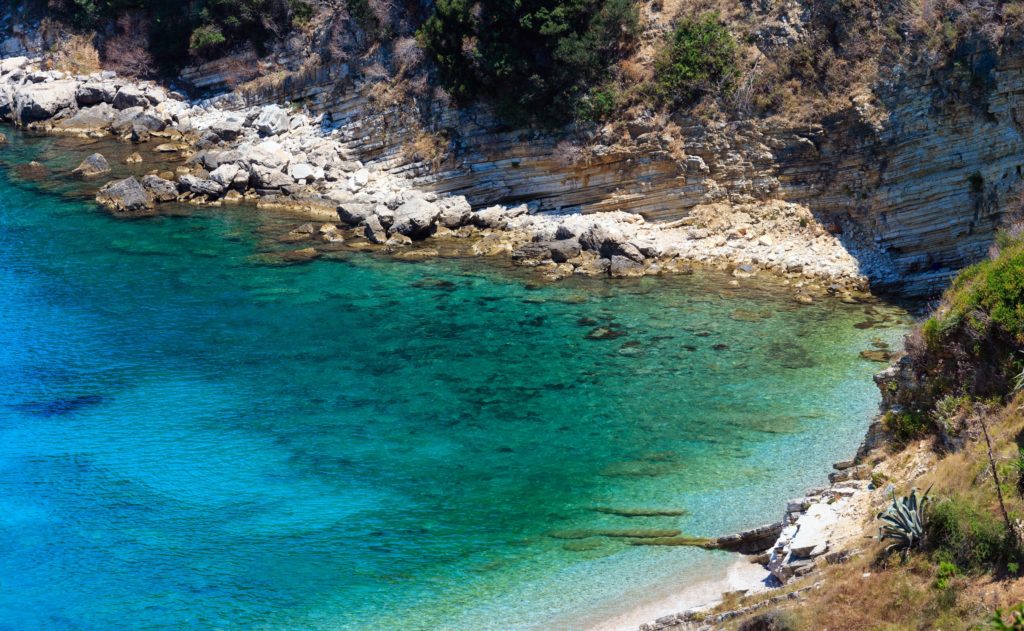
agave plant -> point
(904, 522)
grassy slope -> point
(963, 366)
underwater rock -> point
(93, 166)
(59, 407)
(640, 512)
(299, 256)
(880, 356)
(605, 333)
(32, 171)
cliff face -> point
(915, 179)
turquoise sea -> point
(194, 437)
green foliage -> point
(700, 59)
(1016, 619)
(206, 39)
(947, 571)
(302, 11)
(994, 288)
(1018, 466)
(904, 523)
(597, 105)
(535, 59)
(905, 426)
(968, 535)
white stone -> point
(224, 174)
(301, 171)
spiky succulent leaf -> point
(904, 522)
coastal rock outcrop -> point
(304, 163)
(93, 166)
(44, 100)
(126, 197)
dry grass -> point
(74, 54)
(127, 51)
(427, 147)
(870, 592)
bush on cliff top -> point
(972, 344)
(535, 59)
(699, 59)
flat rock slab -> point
(814, 529)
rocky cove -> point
(293, 160)
(221, 152)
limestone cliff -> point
(915, 180)
(914, 175)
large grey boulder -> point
(200, 186)
(267, 178)
(90, 121)
(355, 213)
(564, 249)
(135, 119)
(160, 189)
(455, 212)
(497, 217)
(6, 101)
(212, 160)
(225, 174)
(270, 154)
(304, 172)
(126, 197)
(228, 126)
(93, 166)
(608, 241)
(42, 101)
(12, 63)
(416, 218)
(272, 121)
(374, 231)
(95, 92)
(532, 253)
(622, 267)
(129, 96)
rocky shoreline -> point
(279, 157)
(826, 526)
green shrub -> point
(947, 571)
(597, 105)
(905, 426)
(302, 11)
(205, 39)
(967, 535)
(535, 59)
(1015, 616)
(995, 288)
(699, 59)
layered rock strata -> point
(294, 160)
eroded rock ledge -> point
(288, 159)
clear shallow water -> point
(192, 438)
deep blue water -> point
(192, 437)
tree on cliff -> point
(533, 58)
